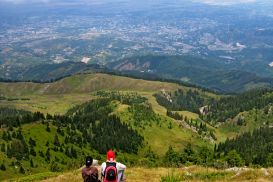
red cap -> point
(110, 155)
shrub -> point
(234, 159)
(171, 178)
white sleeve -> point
(95, 162)
(120, 167)
(103, 165)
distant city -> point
(235, 35)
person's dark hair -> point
(88, 161)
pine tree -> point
(269, 160)
(189, 153)
(9, 153)
(49, 117)
(32, 152)
(5, 136)
(67, 152)
(48, 155)
(3, 167)
(3, 147)
(56, 140)
(172, 158)
(61, 149)
(234, 159)
(22, 170)
(47, 128)
(31, 163)
(170, 126)
(73, 152)
(32, 142)
(41, 154)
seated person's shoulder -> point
(103, 164)
(121, 166)
(95, 162)
(94, 170)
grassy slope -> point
(160, 137)
(192, 173)
(84, 83)
(53, 104)
(59, 96)
(253, 119)
(36, 131)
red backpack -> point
(110, 172)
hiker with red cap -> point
(112, 171)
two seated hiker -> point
(111, 170)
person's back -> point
(112, 171)
(89, 172)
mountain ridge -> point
(210, 73)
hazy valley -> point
(180, 90)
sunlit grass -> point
(193, 173)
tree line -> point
(14, 118)
(197, 124)
(249, 149)
(229, 107)
(103, 129)
(180, 100)
(255, 148)
(125, 98)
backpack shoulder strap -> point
(114, 164)
(109, 164)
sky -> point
(50, 1)
(142, 2)
(213, 2)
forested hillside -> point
(38, 142)
(52, 126)
(15, 118)
(58, 141)
(229, 107)
(255, 147)
(102, 130)
(209, 73)
(191, 100)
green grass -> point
(193, 173)
(171, 178)
(86, 83)
(200, 175)
(37, 131)
(36, 177)
(152, 100)
(253, 119)
(58, 97)
(53, 104)
(188, 114)
(160, 136)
